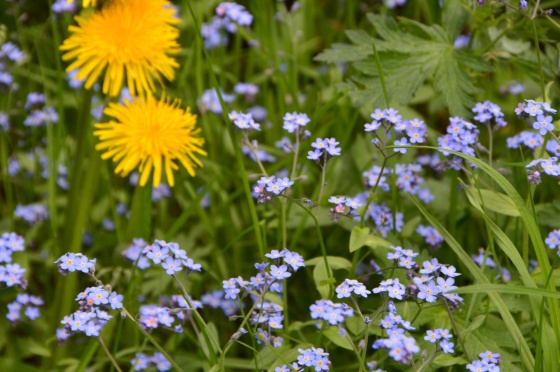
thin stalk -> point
(296, 153)
(535, 9)
(456, 330)
(255, 153)
(237, 151)
(381, 76)
(109, 355)
(537, 49)
(490, 144)
(323, 176)
(153, 341)
(210, 340)
(321, 242)
(243, 323)
(427, 362)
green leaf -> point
(336, 338)
(530, 222)
(447, 360)
(321, 278)
(494, 201)
(287, 355)
(474, 324)
(509, 321)
(502, 288)
(139, 225)
(336, 263)
(410, 226)
(355, 325)
(454, 17)
(360, 237)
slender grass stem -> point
(322, 188)
(539, 61)
(152, 340)
(237, 150)
(210, 340)
(109, 355)
(459, 337)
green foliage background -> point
(347, 58)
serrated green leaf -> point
(454, 17)
(410, 53)
(344, 53)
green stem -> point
(153, 341)
(427, 362)
(322, 188)
(321, 243)
(537, 49)
(111, 358)
(238, 155)
(243, 323)
(381, 76)
(456, 330)
(210, 340)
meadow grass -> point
(480, 208)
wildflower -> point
(171, 265)
(449, 271)
(543, 124)
(490, 356)
(32, 213)
(209, 101)
(346, 288)
(115, 300)
(553, 239)
(430, 267)
(334, 313)
(244, 121)
(401, 144)
(71, 262)
(279, 273)
(328, 146)
(104, 41)
(447, 347)
(152, 135)
(428, 292)
(432, 236)
(294, 260)
(433, 336)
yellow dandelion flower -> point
(126, 37)
(85, 3)
(150, 134)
